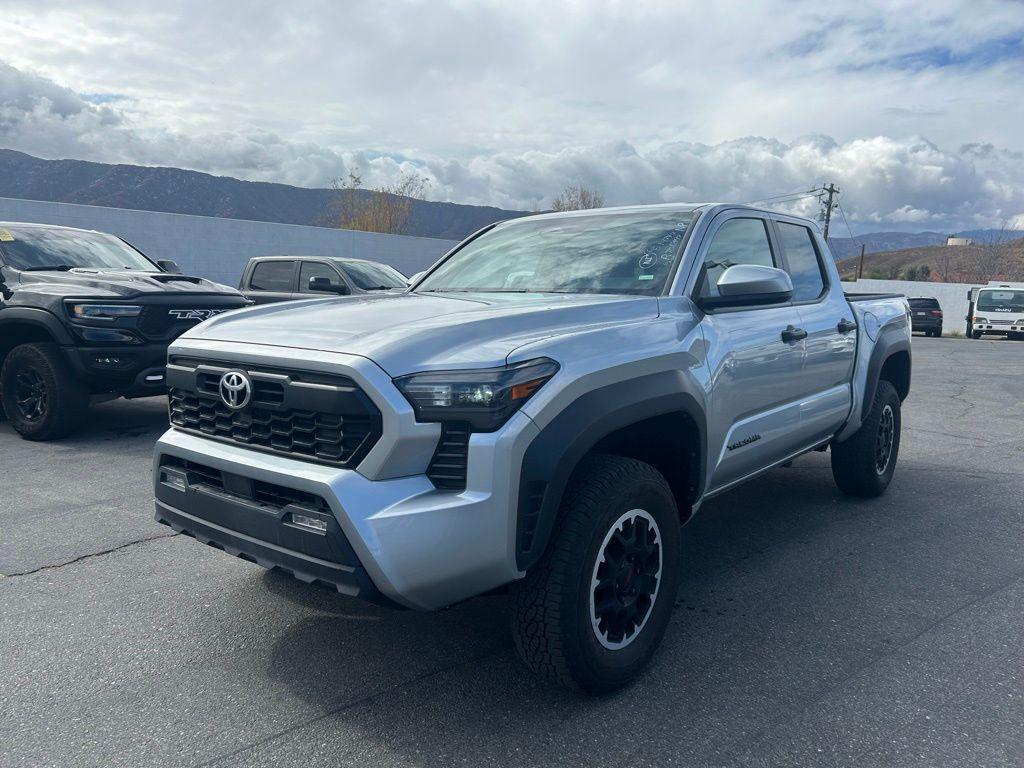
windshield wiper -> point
(51, 268)
(380, 288)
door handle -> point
(845, 326)
(792, 333)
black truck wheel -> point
(863, 465)
(593, 610)
(40, 395)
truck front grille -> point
(305, 415)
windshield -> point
(600, 253)
(1001, 301)
(42, 248)
(370, 276)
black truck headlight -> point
(83, 311)
(485, 397)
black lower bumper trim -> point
(345, 579)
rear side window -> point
(272, 276)
(803, 260)
(310, 269)
(739, 241)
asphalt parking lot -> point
(810, 629)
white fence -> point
(952, 297)
(218, 249)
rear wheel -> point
(594, 609)
(863, 465)
(40, 395)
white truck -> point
(541, 411)
(997, 308)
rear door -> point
(271, 280)
(831, 342)
(754, 415)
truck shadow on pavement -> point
(368, 669)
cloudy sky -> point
(915, 109)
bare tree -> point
(576, 197)
(385, 209)
(985, 263)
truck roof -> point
(712, 208)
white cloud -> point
(503, 104)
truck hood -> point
(409, 332)
(117, 284)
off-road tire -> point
(856, 461)
(66, 400)
(976, 335)
(551, 607)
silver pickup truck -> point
(540, 411)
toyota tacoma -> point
(539, 412)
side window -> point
(308, 269)
(739, 241)
(272, 276)
(803, 261)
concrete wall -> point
(219, 248)
(952, 296)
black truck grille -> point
(165, 321)
(313, 416)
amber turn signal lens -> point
(527, 388)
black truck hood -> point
(117, 284)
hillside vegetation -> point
(941, 263)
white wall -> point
(219, 248)
(952, 297)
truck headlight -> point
(980, 320)
(103, 311)
(486, 398)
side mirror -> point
(745, 285)
(169, 265)
(325, 285)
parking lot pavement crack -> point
(361, 701)
(87, 556)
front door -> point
(755, 365)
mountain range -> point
(175, 190)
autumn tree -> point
(385, 209)
(576, 197)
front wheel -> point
(40, 395)
(976, 335)
(592, 612)
(863, 465)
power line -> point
(801, 193)
(848, 230)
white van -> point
(996, 309)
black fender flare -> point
(553, 455)
(892, 339)
(37, 317)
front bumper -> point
(133, 370)
(410, 543)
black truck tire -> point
(863, 465)
(593, 610)
(41, 397)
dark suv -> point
(926, 316)
(85, 314)
(267, 279)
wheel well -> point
(896, 370)
(671, 444)
(16, 333)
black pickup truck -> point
(84, 314)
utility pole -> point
(830, 190)
(860, 267)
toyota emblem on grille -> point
(235, 390)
